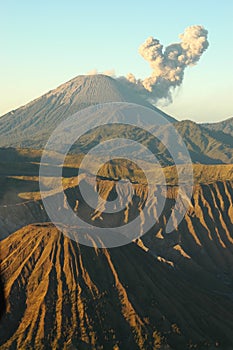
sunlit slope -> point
(164, 291)
(61, 293)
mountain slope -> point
(225, 126)
(168, 291)
(206, 146)
(33, 123)
(66, 296)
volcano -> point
(30, 126)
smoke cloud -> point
(168, 65)
(109, 72)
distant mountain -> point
(225, 126)
(32, 124)
(206, 146)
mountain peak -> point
(97, 88)
(32, 124)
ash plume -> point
(108, 72)
(168, 65)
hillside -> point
(206, 146)
(164, 291)
(47, 274)
(225, 126)
(32, 124)
(64, 295)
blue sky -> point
(45, 43)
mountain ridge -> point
(31, 125)
(40, 116)
(225, 126)
(94, 294)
